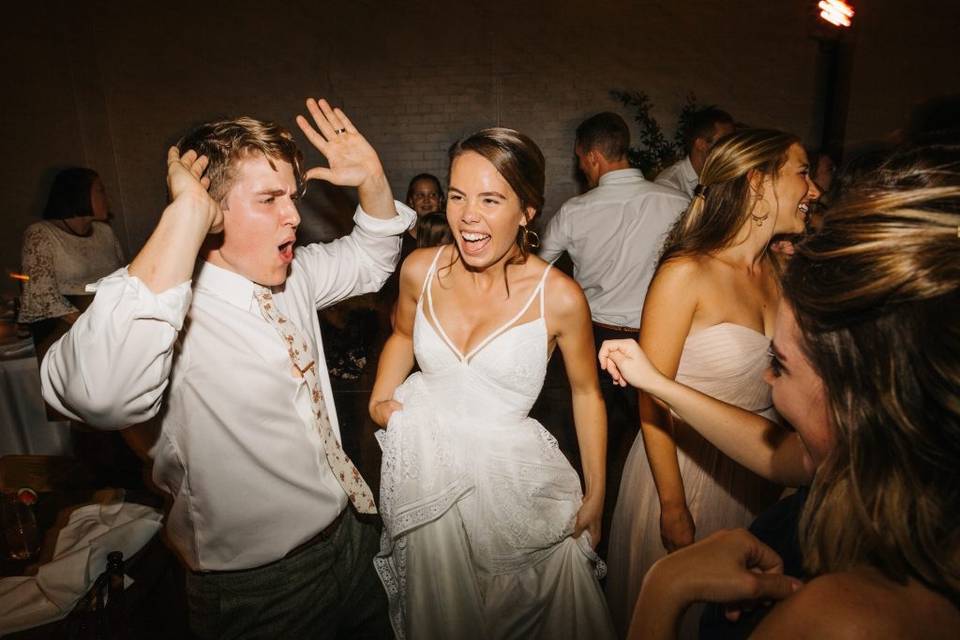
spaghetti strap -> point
(435, 321)
(543, 287)
(430, 272)
(513, 320)
(428, 289)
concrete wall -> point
(110, 85)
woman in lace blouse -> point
(71, 247)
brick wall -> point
(111, 84)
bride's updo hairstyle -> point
(519, 160)
(723, 201)
(876, 294)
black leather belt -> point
(614, 327)
(327, 533)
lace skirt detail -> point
(504, 491)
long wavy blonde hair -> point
(725, 200)
(876, 293)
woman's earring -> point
(531, 242)
(758, 220)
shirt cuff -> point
(168, 306)
(394, 226)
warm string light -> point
(20, 276)
(836, 12)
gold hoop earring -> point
(759, 220)
(535, 242)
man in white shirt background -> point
(260, 511)
(704, 128)
(613, 234)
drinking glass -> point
(19, 528)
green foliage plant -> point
(654, 152)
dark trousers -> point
(326, 590)
(623, 425)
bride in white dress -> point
(486, 531)
(706, 322)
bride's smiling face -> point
(483, 211)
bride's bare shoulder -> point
(563, 296)
(416, 265)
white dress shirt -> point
(613, 234)
(236, 444)
(680, 176)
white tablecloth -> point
(91, 533)
(24, 428)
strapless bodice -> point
(727, 361)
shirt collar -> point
(619, 175)
(688, 172)
(224, 284)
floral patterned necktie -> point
(299, 350)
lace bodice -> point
(62, 264)
(510, 364)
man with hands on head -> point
(213, 329)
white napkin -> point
(92, 532)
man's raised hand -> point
(169, 256)
(188, 186)
(353, 162)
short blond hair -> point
(226, 142)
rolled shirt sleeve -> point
(358, 263)
(111, 369)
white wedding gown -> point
(478, 502)
(726, 361)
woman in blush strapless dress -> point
(706, 321)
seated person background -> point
(72, 247)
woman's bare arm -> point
(569, 320)
(396, 359)
(766, 448)
(667, 317)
